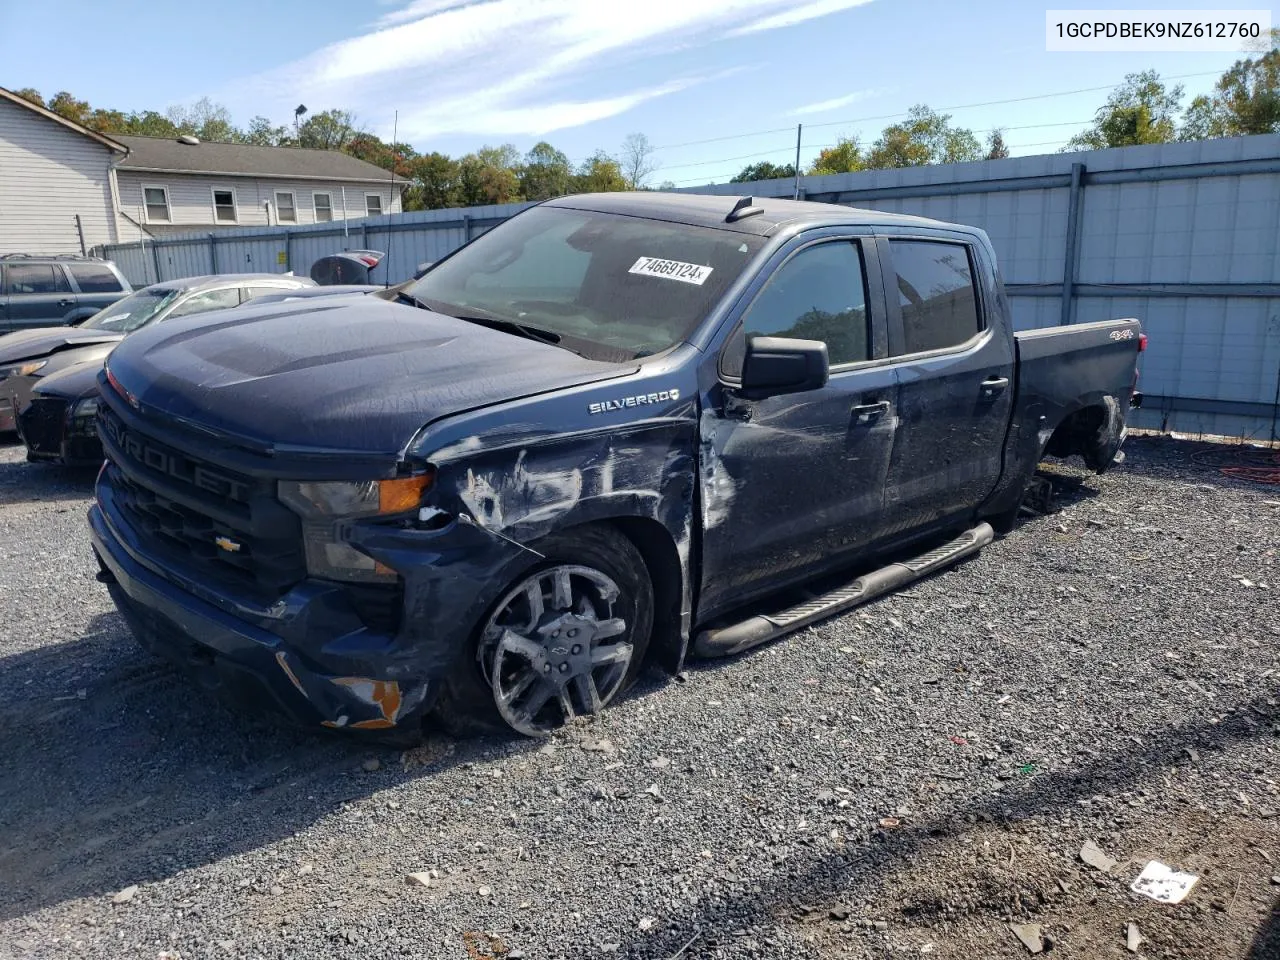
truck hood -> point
(359, 375)
(72, 383)
(42, 341)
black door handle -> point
(866, 412)
(993, 387)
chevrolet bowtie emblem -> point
(227, 544)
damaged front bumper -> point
(306, 654)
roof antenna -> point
(742, 209)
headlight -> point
(325, 506)
(22, 369)
(88, 407)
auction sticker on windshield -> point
(671, 270)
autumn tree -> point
(844, 157)
(599, 173)
(31, 94)
(997, 149)
(488, 176)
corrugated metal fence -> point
(1184, 236)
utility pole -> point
(796, 195)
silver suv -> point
(43, 291)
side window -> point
(251, 292)
(208, 300)
(819, 294)
(936, 294)
(95, 278)
(31, 278)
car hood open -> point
(42, 341)
(359, 375)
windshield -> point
(609, 287)
(127, 315)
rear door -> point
(39, 294)
(955, 376)
(97, 284)
(791, 484)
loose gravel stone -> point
(1016, 706)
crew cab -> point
(615, 428)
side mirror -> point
(778, 365)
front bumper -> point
(53, 435)
(8, 423)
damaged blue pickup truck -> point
(616, 429)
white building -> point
(65, 188)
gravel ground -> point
(908, 779)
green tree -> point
(1245, 100)
(329, 130)
(545, 173)
(149, 123)
(264, 133)
(488, 176)
(925, 137)
(764, 170)
(32, 94)
(1141, 110)
(599, 173)
(844, 157)
(434, 181)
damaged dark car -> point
(616, 429)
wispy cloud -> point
(511, 67)
(798, 14)
(835, 103)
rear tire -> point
(566, 637)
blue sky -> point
(583, 74)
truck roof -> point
(710, 210)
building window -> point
(324, 207)
(286, 212)
(224, 206)
(156, 200)
(373, 204)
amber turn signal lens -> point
(404, 494)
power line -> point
(895, 116)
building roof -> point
(107, 142)
(169, 155)
(710, 210)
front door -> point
(790, 484)
(955, 381)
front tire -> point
(566, 637)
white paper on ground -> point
(1162, 883)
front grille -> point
(194, 516)
(42, 425)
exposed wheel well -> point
(663, 562)
(1080, 433)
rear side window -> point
(95, 278)
(208, 300)
(33, 278)
(936, 293)
(819, 294)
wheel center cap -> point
(566, 644)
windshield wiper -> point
(484, 320)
